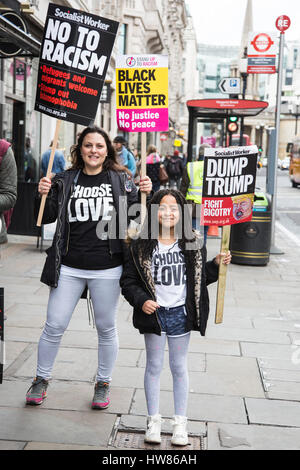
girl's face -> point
(168, 212)
(93, 152)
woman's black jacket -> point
(56, 208)
(138, 286)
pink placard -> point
(143, 120)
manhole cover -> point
(135, 440)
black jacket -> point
(56, 208)
(138, 287)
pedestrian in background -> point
(8, 187)
(59, 163)
(191, 187)
(165, 280)
(85, 254)
(174, 168)
(152, 166)
(125, 157)
(29, 163)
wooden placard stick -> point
(143, 174)
(222, 275)
(49, 169)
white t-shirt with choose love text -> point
(169, 275)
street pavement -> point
(244, 375)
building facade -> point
(146, 26)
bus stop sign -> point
(283, 22)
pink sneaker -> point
(37, 393)
(101, 396)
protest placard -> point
(227, 197)
(142, 99)
(74, 58)
(142, 93)
(228, 185)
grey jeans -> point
(62, 302)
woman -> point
(152, 166)
(86, 253)
(165, 279)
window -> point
(122, 39)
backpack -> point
(174, 167)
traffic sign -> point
(283, 22)
(262, 50)
(230, 85)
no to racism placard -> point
(74, 58)
(228, 185)
(142, 93)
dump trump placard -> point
(74, 58)
(228, 185)
(142, 93)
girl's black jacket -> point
(138, 286)
(56, 208)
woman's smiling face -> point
(93, 152)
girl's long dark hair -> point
(110, 163)
(147, 241)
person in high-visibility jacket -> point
(191, 187)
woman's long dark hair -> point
(110, 163)
(147, 240)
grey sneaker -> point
(101, 396)
(37, 392)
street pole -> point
(273, 249)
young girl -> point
(165, 279)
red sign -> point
(262, 42)
(283, 22)
(227, 104)
(228, 185)
(163, 137)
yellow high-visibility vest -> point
(195, 173)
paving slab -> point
(12, 351)
(251, 437)
(229, 376)
(201, 407)
(201, 344)
(253, 336)
(279, 324)
(261, 350)
(63, 427)
(20, 334)
(283, 390)
(279, 364)
(56, 446)
(70, 364)
(65, 395)
(12, 445)
(273, 412)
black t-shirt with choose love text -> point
(90, 204)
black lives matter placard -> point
(228, 185)
(74, 58)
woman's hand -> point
(44, 186)
(149, 307)
(145, 185)
(226, 257)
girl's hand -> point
(145, 185)
(44, 186)
(226, 258)
(149, 307)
